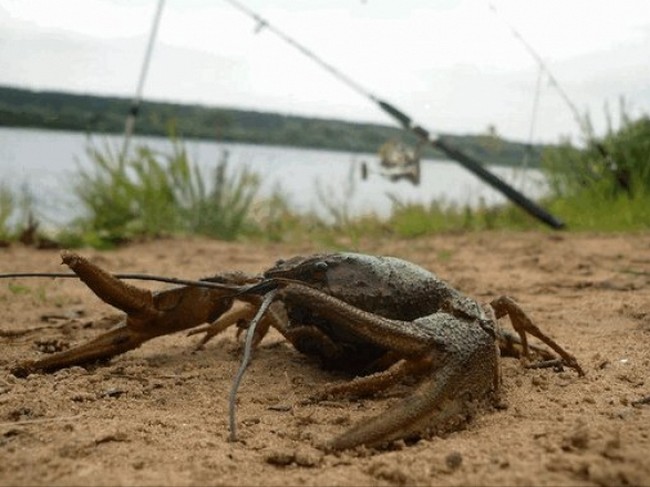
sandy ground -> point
(158, 415)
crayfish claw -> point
(134, 301)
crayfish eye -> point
(320, 266)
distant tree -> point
(492, 141)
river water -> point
(45, 163)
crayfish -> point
(382, 319)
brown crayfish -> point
(380, 318)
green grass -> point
(7, 209)
(18, 288)
(17, 212)
(593, 212)
(606, 185)
(414, 220)
(154, 194)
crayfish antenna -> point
(248, 346)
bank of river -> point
(45, 163)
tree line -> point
(106, 114)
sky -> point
(455, 66)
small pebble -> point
(454, 460)
(308, 457)
(280, 458)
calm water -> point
(45, 162)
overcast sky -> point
(453, 65)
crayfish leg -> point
(231, 318)
(377, 382)
(105, 346)
(522, 324)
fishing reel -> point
(397, 162)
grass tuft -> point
(605, 186)
(152, 194)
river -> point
(44, 164)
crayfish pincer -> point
(381, 319)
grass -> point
(18, 288)
(7, 209)
(17, 215)
(604, 186)
(154, 194)
(590, 211)
(412, 220)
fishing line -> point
(582, 122)
(533, 122)
(540, 61)
(264, 24)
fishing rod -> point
(129, 124)
(435, 141)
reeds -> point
(152, 194)
(604, 186)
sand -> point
(158, 415)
